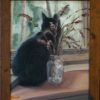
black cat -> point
(29, 63)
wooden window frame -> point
(5, 26)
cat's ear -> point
(44, 17)
(56, 17)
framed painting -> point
(59, 42)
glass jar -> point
(55, 70)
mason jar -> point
(55, 70)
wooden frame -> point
(5, 50)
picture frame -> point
(5, 29)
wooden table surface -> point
(74, 82)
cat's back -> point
(32, 46)
(29, 44)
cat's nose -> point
(52, 26)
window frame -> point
(5, 32)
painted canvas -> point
(49, 49)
